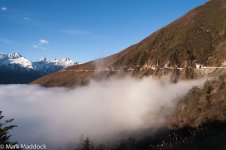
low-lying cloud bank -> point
(58, 116)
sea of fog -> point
(102, 110)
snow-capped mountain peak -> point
(14, 55)
(43, 59)
(15, 61)
(64, 62)
(3, 56)
(23, 62)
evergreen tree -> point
(5, 127)
(86, 144)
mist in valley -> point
(101, 110)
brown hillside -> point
(202, 105)
(197, 37)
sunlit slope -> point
(199, 37)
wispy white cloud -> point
(75, 32)
(19, 16)
(3, 8)
(27, 18)
(7, 41)
(39, 47)
(41, 43)
(35, 46)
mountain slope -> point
(14, 68)
(199, 37)
(198, 123)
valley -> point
(165, 92)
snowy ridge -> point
(65, 62)
(15, 61)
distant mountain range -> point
(14, 68)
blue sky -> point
(82, 29)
